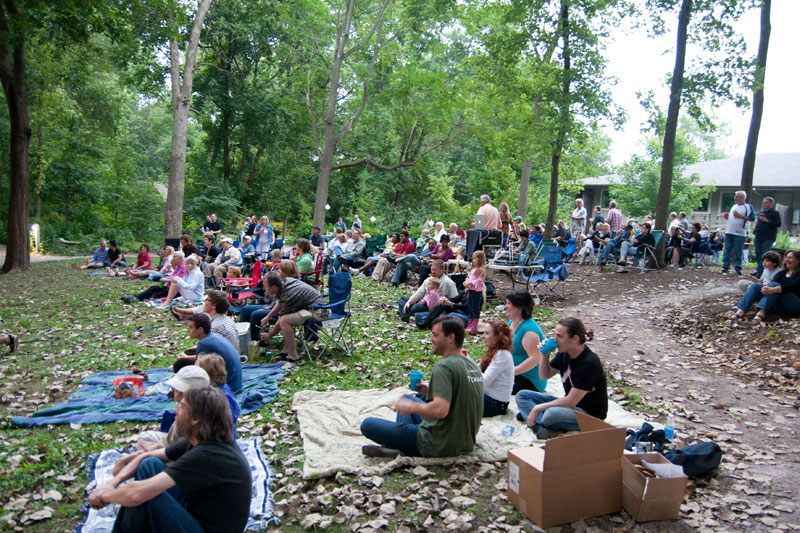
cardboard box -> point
(571, 477)
(648, 498)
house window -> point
(604, 198)
(726, 202)
(703, 205)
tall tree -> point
(715, 78)
(749, 163)
(13, 36)
(181, 98)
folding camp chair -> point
(335, 331)
(547, 282)
(315, 278)
(701, 253)
(646, 255)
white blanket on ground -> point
(330, 422)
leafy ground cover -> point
(76, 326)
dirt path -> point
(756, 424)
(35, 258)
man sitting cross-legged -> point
(584, 384)
(216, 306)
(446, 422)
(99, 258)
(408, 306)
(206, 488)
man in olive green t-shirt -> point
(447, 422)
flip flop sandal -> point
(289, 359)
(175, 313)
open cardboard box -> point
(650, 498)
(571, 477)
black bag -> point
(696, 459)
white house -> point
(776, 175)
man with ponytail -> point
(584, 383)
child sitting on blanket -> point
(214, 365)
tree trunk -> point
(563, 122)
(181, 98)
(329, 134)
(12, 75)
(749, 164)
(668, 154)
(525, 180)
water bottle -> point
(669, 427)
(507, 431)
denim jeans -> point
(734, 244)
(403, 265)
(253, 314)
(157, 276)
(759, 249)
(339, 259)
(398, 435)
(474, 302)
(491, 407)
(164, 513)
(750, 297)
(602, 257)
(627, 250)
(553, 417)
(782, 304)
(418, 307)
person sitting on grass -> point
(216, 306)
(186, 378)
(214, 365)
(780, 296)
(526, 336)
(408, 306)
(116, 258)
(432, 297)
(12, 341)
(207, 486)
(99, 258)
(208, 342)
(444, 418)
(497, 367)
(177, 267)
(190, 284)
(770, 261)
(165, 266)
(584, 384)
(295, 299)
(631, 247)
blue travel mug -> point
(548, 346)
(415, 376)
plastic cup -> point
(414, 377)
(548, 346)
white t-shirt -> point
(736, 226)
(577, 225)
(498, 380)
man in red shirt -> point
(401, 249)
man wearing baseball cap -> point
(229, 257)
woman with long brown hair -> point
(498, 368)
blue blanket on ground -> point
(94, 401)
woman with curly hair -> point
(498, 368)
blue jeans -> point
(120, 264)
(627, 250)
(759, 249)
(734, 244)
(752, 296)
(418, 307)
(554, 417)
(157, 277)
(403, 265)
(474, 303)
(253, 314)
(782, 304)
(164, 513)
(602, 257)
(339, 259)
(398, 435)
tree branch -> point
(376, 27)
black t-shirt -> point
(215, 478)
(316, 240)
(646, 240)
(585, 372)
(211, 226)
(561, 232)
(114, 254)
(212, 252)
(598, 219)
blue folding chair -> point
(336, 331)
(547, 282)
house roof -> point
(773, 171)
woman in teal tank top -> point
(525, 348)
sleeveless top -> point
(519, 354)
